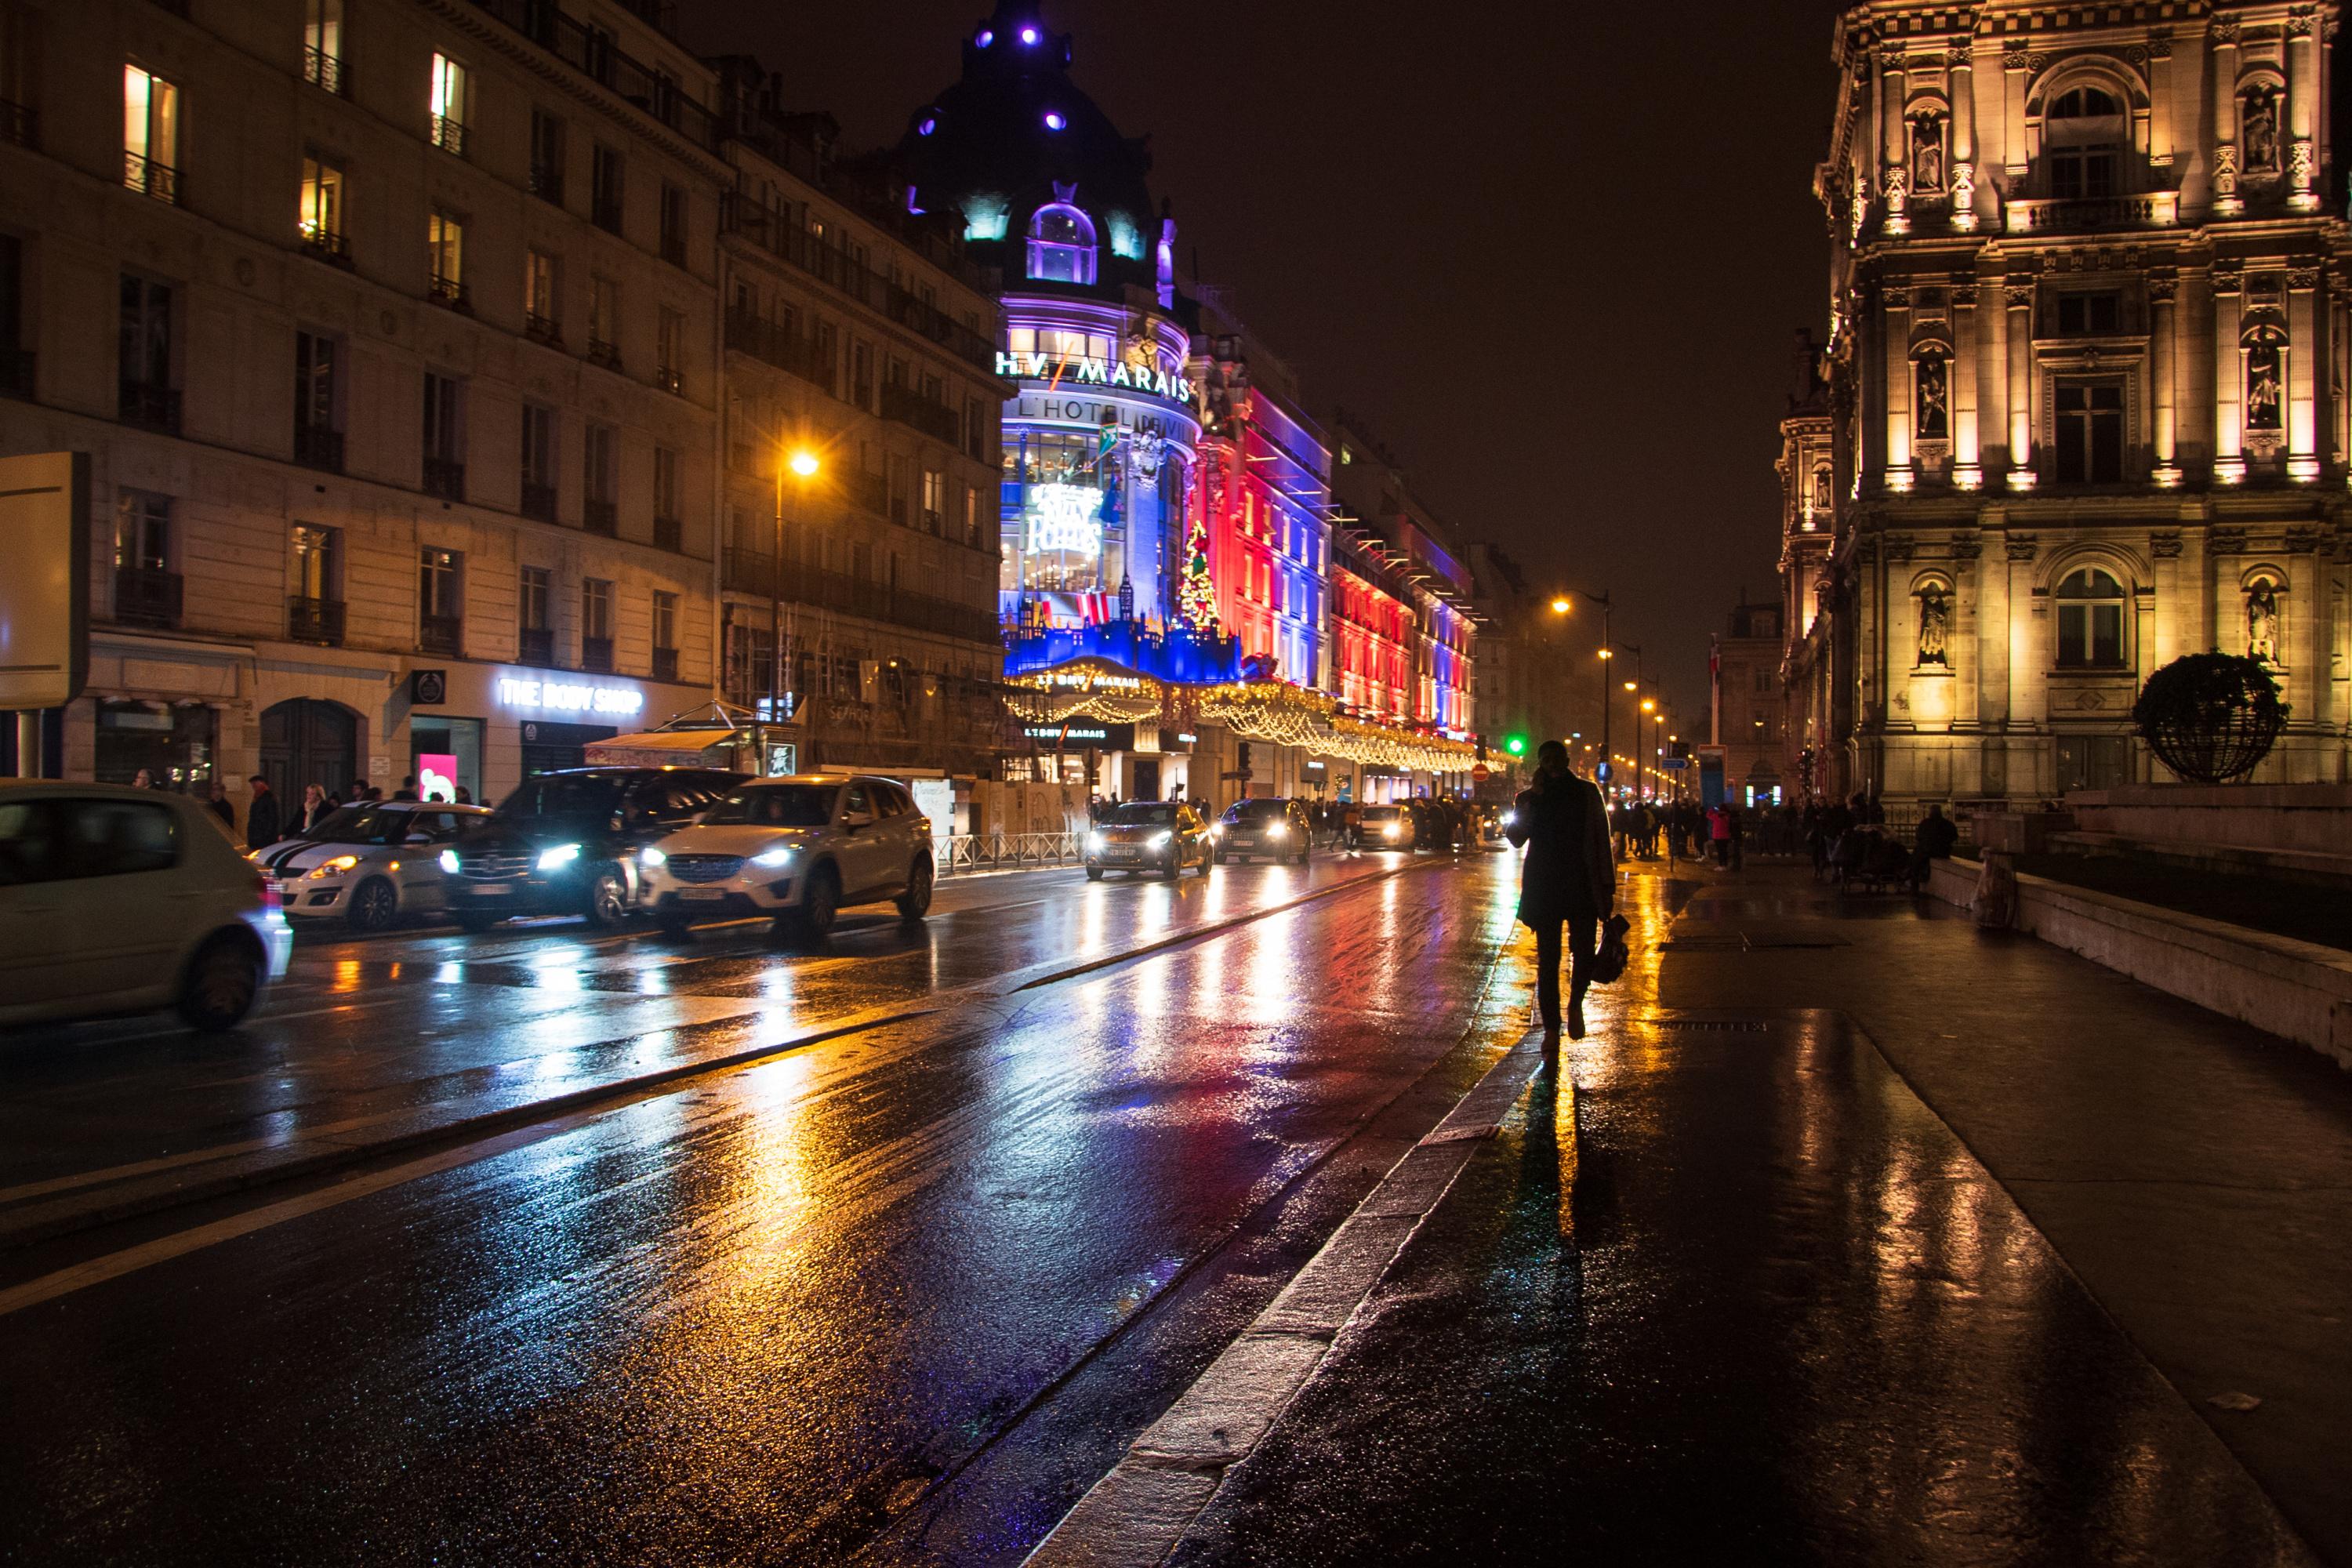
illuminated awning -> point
(674, 742)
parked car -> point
(369, 864)
(566, 843)
(1278, 829)
(1384, 827)
(794, 848)
(1163, 835)
(115, 900)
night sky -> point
(1554, 256)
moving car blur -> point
(1278, 829)
(567, 843)
(1384, 827)
(795, 848)
(1161, 835)
(115, 900)
(371, 864)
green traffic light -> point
(1517, 745)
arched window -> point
(2083, 139)
(1061, 244)
(2090, 621)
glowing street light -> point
(1562, 606)
(804, 464)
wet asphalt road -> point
(894, 1294)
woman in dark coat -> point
(1569, 877)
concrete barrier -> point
(2297, 990)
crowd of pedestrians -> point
(267, 819)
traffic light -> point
(1517, 745)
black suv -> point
(1279, 829)
(566, 843)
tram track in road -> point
(425, 1150)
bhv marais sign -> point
(532, 694)
(1062, 370)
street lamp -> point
(1641, 757)
(1562, 605)
(804, 464)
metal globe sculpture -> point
(2209, 717)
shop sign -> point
(1063, 517)
(1060, 369)
(534, 694)
(1079, 733)
(1085, 676)
(437, 776)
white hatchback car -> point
(796, 848)
(369, 864)
(115, 900)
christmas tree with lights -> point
(1196, 598)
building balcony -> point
(604, 211)
(315, 621)
(751, 573)
(543, 330)
(664, 663)
(20, 123)
(316, 446)
(546, 182)
(2069, 215)
(452, 293)
(773, 344)
(322, 70)
(670, 380)
(158, 180)
(604, 353)
(538, 501)
(149, 407)
(449, 135)
(443, 634)
(601, 517)
(328, 245)
(146, 596)
(871, 492)
(535, 646)
(446, 478)
(912, 410)
(16, 367)
(596, 655)
(669, 534)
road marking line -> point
(1139, 1511)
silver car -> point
(368, 865)
(796, 849)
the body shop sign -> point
(544, 696)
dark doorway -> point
(1147, 778)
(305, 742)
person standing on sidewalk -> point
(1568, 877)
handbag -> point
(1609, 962)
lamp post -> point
(1562, 605)
(1633, 685)
(804, 465)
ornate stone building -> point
(2083, 405)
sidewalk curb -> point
(1139, 1513)
(487, 1124)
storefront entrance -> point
(548, 747)
(173, 742)
(1147, 778)
(305, 742)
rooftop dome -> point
(1048, 188)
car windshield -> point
(572, 796)
(777, 805)
(368, 824)
(1382, 812)
(1140, 814)
(1259, 812)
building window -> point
(151, 134)
(1061, 245)
(673, 225)
(445, 244)
(2090, 315)
(861, 375)
(318, 432)
(538, 462)
(440, 601)
(542, 317)
(146, 589)
(144, 338)
(448, 105)
(665, 635)
(595, 624)
(899, 472)
(314, 604)
(935, 501)
(670, 351)
(599, 466)
(665, 485)
(535, 633)
(971, 516)
(321, 214)
(2090, 621)
(605, 322)
(444, 438)
(547, 156)
(2085, 131)
(322, 44)
(605, 188)
(2090, 421)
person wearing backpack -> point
(1569, 878)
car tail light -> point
(269, 891)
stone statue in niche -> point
(2262, 621)
(1935, 625)
(1927, 151)
(2262, 393)
(2258, 130)
(1935, 403)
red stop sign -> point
(1480, 773)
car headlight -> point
(561, 855)
(781, 855)
(449, 861)
(1216, 830)
(649, 856)
(1511, 818)
(1095, 842)
(334, 868)
(1278, 830)
(1162, 839)
(1390, 831)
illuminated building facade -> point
(1386, 522)
(2085, 390)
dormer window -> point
(1061, 245)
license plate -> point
(490, 888)
(713, 894)
(1119, 855)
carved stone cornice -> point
(2022, 546)
(2303, 280)
(2225, 540)
(1967, 547)
(2164, 546)
(1900, 548)
(2302, 541)
(2160, 290)
(2223, 29)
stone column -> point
(1963, 80)
(2164, 549)
(2302, 368)
(2194, 579)
(1993, 615)
(2019, 301)
(1893, 159)
(2160, 132)
(2222, 36)
(2229, 381)
(2016, 157)
(2162, 393)
(1895, 326)
(1967, 473)
(2302, 115)
(1966, 644)
(1992, 373)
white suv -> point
(115, 900)
(796, 848)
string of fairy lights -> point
(1272, 712)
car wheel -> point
(608, 898)
(476, 921)
(375, 904)
(916, 901)
(1204, 863)
(1094, 874)
(820, 903)
(1218, 858)
(1175, 867)
(223, 982)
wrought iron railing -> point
(452, 292)
(536, 645)
(149, 407)
(590, 50)
(538, 501)
(970, 852)
(773, 343)
(328, 245)
(314, 620)
(912, 410)
(747, 572)
(664, 663)
(441, 634)
(146, 596)
(20, 123)
(601, 517)
(316, 446)
(322, 70)
(158, 180)
(446, 478)
(449, 135)
(669, 533)
(543, 329)
(774, 232)
(596, 655)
